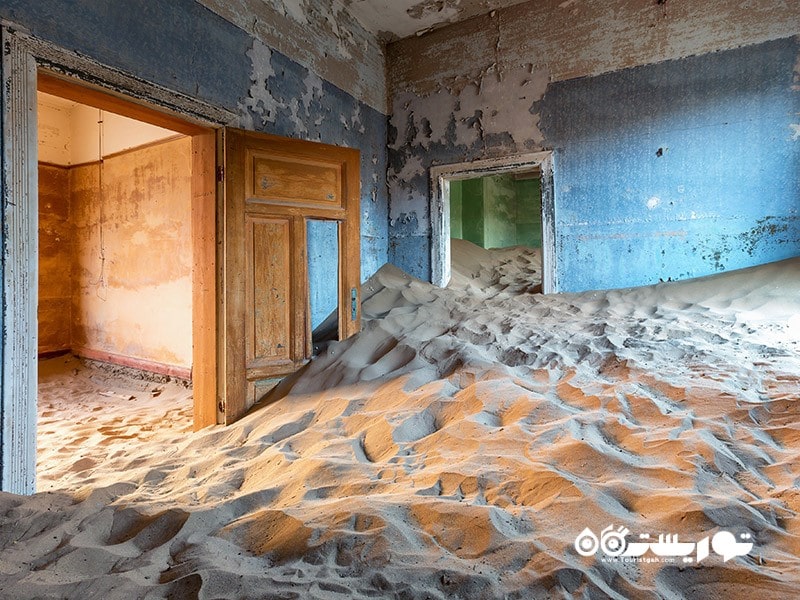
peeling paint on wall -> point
(492, 113)
(584, 38)
(227, 66)
(728, 182)
(322, 36)
(285, 98)
(638, 153)
(396, 19)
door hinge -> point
(353, 304)
(220, 173)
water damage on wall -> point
(396, 19)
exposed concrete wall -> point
(185, 47)
(320, 35)
(133, 255)
(529, 78)
(55, 259)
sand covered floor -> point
(456, 448)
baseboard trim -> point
(134, 363)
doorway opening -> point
(498, 203)
(250, 193)
(115, 253)
(498, 211)
(501, 214)
(116, 281)
(322, 239)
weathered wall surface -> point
(563, 76)
(579, 38)
(320, 35)
(132, 260)
(71, 133)
(183, 46)
(695, 170)
(55, 259)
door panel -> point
(272, 186)
(269, 291)
(287, 180)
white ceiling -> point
(396, 19)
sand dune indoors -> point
(456, 448)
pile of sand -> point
(457, 448)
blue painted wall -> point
(666, 171)
(676, 170)
(184, 47)
(323, 269)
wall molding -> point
(132, 362)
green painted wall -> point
(456, 230)
(497, 211)
(472, 213)
(529, 212)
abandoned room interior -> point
(410, 299)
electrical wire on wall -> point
(101, 285)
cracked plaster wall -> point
(605, 86)
(185, 47)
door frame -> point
(442, 175)
(23, 57)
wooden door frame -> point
(442, 175)
(23, 57)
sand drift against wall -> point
(457, 447)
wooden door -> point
(271, 186)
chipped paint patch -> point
(294, 9)
(618, 191)
(259, 101)
(795, 127)
(395, 19)
(494, 103)
(633, 34)
(440, 10)
(492, 114)
(322, 36)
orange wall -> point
(132, 293)
(55, 259)
(116, 267)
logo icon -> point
(613, 542)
